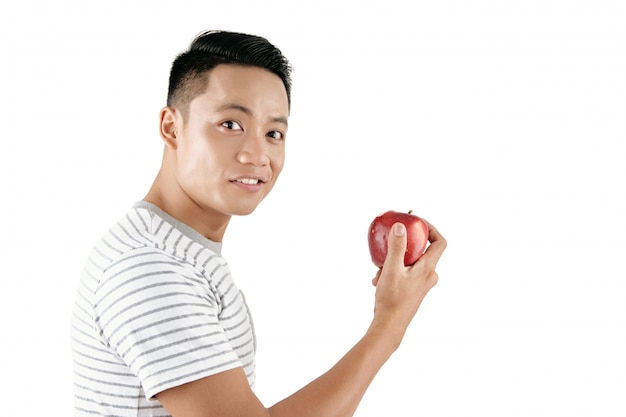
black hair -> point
(188, 76)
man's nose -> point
(254, 150)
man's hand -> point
(400, 289)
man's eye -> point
(232, 125)
(275, 134)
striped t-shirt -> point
(156, 307)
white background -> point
(501, 122)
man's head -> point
(189, 72)
(224, 130)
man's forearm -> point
(338, 392)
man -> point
(159, 327)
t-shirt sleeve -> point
(162, 318)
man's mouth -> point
(249, 181)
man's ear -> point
(169, 121)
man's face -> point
(231, 148)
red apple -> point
(417, 236)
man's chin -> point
(246, 206)
(243, 213)
(244, 210)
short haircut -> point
(188, 74)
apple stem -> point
(410, 211)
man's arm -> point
(337, 393)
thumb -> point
(396, 245)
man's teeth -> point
(248, 181)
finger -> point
(437, 245)
(396, 246)
(376, 278)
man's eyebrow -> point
(234, 106)
(280, 119)
(249, 112)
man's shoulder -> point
(132, 231)
(147, 231)
(145, 239)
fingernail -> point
(398, 229)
